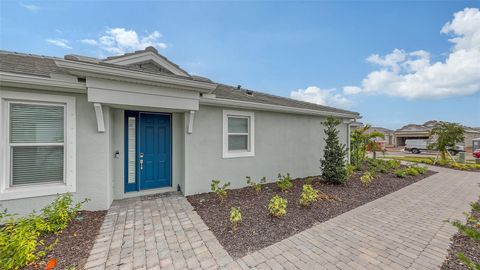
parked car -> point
(416, 146)
(476, 153)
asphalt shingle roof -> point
(43, 66)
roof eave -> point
(42, 83)
(83, 68)
(271, 107)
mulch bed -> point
(258, 229)
(461, 243)
(74, 243)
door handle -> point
(141, 164)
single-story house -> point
(388, 140)
(138, 124)
(422, 131)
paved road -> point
(403, 230)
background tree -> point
(447, 136)
(360, 142)
(333, 162)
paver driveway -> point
(403, 230)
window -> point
(38, 145)
(238, 134)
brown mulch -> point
(74, 243)
(461, 243)
(258, 229)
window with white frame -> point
(38, 145)
(238, 134)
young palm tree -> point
(360, 141)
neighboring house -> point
(413, 131)
(388, 141)
(138, 124)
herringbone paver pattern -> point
(403, 230)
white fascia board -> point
(94, 70)
(41, 83)
(146, 56)
(270, 107)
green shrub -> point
(235, 217)
(60, 212)
(420, 169)
(470, 229)
(393, 164)
(351, 170)
(254, 185)
(411, 171)
(400, 173)
(277, 206)
(333, 163)
(367, 177)
(19, 244)
(284, 182)
(221, 192)
(308, 196)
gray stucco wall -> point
(283, 143)
(93, 159)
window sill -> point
(13, 193)
(238, 154)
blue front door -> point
(148, 150)
(154, 151)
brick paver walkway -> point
(403, 230)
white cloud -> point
(89, 41)
(351, 90)
(328, 97)
(412, 74)
(30, 7)
(63, 43)
(121, 40)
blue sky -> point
(305, 50)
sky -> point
(395, 62)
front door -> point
(152, 158)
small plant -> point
(19, 237)
(411, 171)
(393, 164)
(468, 263)
(221, 192)
(308, 196)
(256, 186)
(400, 173)
(421, 169)
(60, 212)
(367, 178)
(470, 229)
(351, 170)
(284, 182)
(277, 206)
(235, 217)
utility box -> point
(461, 157)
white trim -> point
(270, 107)
(99, 115)
(9, 193)
(190, 122)
(251, 135)
(146, 56)
(94, 70)
(43, 83)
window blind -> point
(36, 143)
